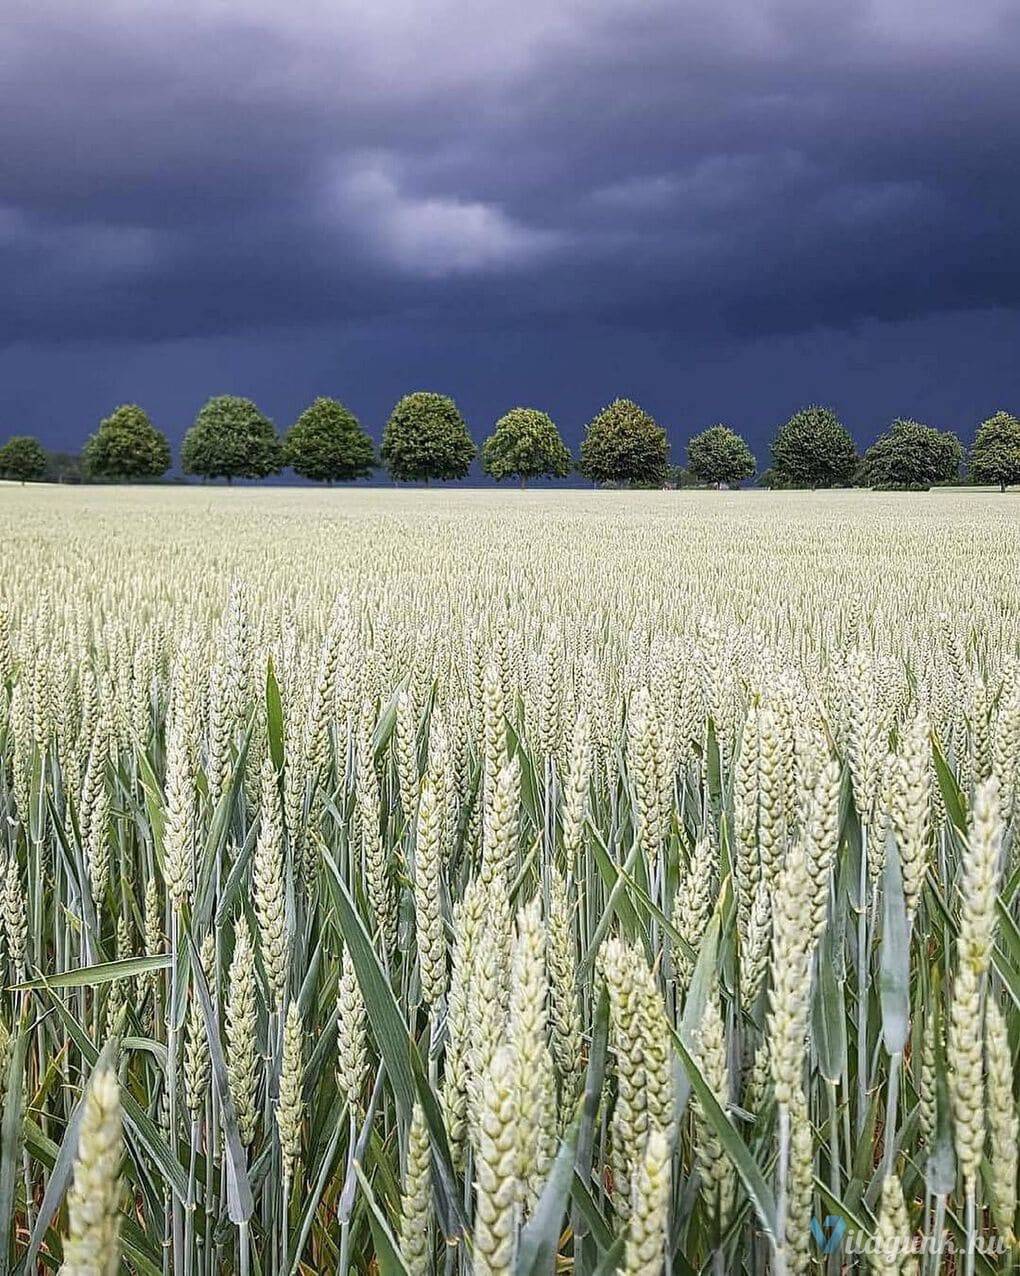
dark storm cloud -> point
(221, 167)
(732, 170)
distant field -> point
(470, 800)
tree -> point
(814, 450)
(995, 455)
(126, 446)
(231, 439)
(623, 444)
(426, 438)
(525, 444)
(719, 455)
(326, 443)
(22, 458)
(911, 455)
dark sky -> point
(723, 209)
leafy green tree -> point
(426, 438)
(525, 444)
(814, 450)
(231, 439)
(23, 458)
(623, 444)
(911, 455)
(126, 446)
(326, 443)
(995, 454)
(719, 455)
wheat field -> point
(430, 882)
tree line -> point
(426, 438)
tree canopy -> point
(995, 453)
(231, 439)
(813, 449)
(623, 444)
(426, 438)
(719, 455)
(911, 455)
(23, 458)
(126, 446)
(525, 444)
(327, 444)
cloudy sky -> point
(721, 208)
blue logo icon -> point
(829, 1234)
